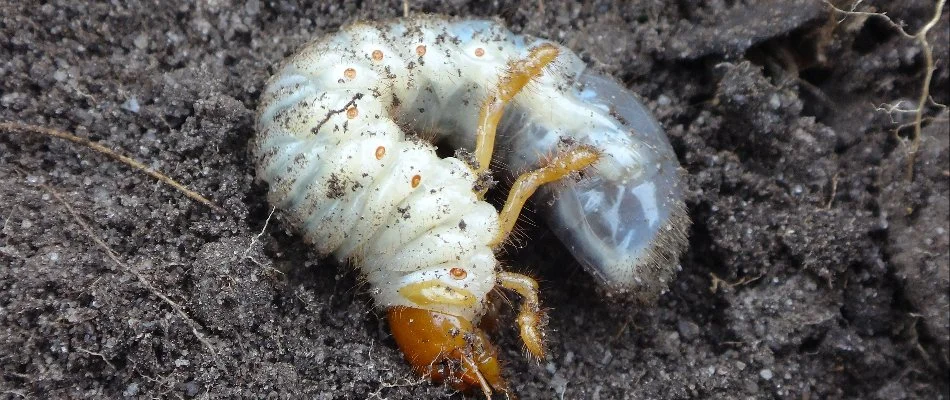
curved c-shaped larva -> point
(333, 148)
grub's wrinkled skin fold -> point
(333, 146)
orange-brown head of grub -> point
(446, 348)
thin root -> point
(717, 282)
(486, 388)
(921, 38)
(17, 127)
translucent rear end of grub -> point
(626, 221)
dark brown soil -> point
(816, 269)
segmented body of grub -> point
(333, 147)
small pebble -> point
(141, 41)
(559, 384)
(252, 7)
(191, 389)
(132, 104)
(131, 390)
(687, 329)
(775, 102)
(607, 357)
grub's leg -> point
(530, 317)
(446, 348)
(562, 165)
(518, 75)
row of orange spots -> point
(377, 55)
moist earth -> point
(817, 265)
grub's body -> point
(332, 146)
